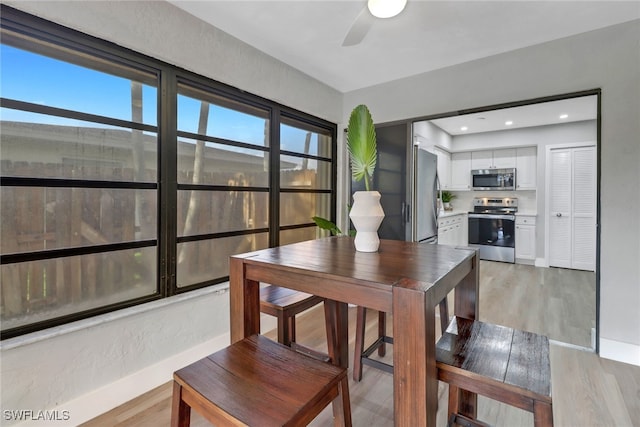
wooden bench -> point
(259, 382)
(498, 362)
(285, 304)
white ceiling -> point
(427, 35)
(546, 113)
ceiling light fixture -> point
(463, 128)
(508, 123)
(386, 8)
(564, 116)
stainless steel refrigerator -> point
(426, 193)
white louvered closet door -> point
(572, 211)
(584, 209)
(560, 209)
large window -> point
(125, 179)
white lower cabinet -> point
(452, 230)
(525, 239)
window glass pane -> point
(40, 218)
(221, 164)
(202, 212)
(297, 172)
(209, 259)
(208, 117)
(47, 146)
(41, 290)
(294, 137)
(299, 208)
(30, 77)
(301, 234)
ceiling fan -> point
(363, 22)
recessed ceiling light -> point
(564, 116)
(508, 123)
(463, 128)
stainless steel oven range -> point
(492, 228)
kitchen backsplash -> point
(464, 199)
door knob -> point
(558, 214)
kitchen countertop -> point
(445, 214)
(526, 213)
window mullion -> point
(274, 178)
(167, 160)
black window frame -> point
(43, 33)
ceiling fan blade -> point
(359, 28)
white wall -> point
(608, 59)
(94, 365)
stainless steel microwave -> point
(493, 179)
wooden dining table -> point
(403, 278)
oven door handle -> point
(492, 216)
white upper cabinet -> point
(482, 159)
(461, 171)
(494, 159)
(526, 168)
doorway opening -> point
(557, 300)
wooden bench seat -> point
(259, 382)
(498, 362)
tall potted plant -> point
(366, 212)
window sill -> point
(56, 331)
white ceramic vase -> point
(366, 215)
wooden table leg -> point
(415, 383)
(244, 302)
(337, 325)
(466, 305)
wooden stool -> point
(284, 304)
(362, 356)
(259, 382)
(504, 364)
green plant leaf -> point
(361, 143)
(447, 196)
(325, 224)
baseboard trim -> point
(103, 399)
(620, 351)
(541, 262)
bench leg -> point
(361, 319)
(342, 405)
(180, 411)
(284, 333)
(382, 332)
(462, 402)
(292, 330)
(542, 414)
(454, 400)
(444, 315)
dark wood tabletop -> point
(404, 278)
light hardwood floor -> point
(587, 390)
(555, 302)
